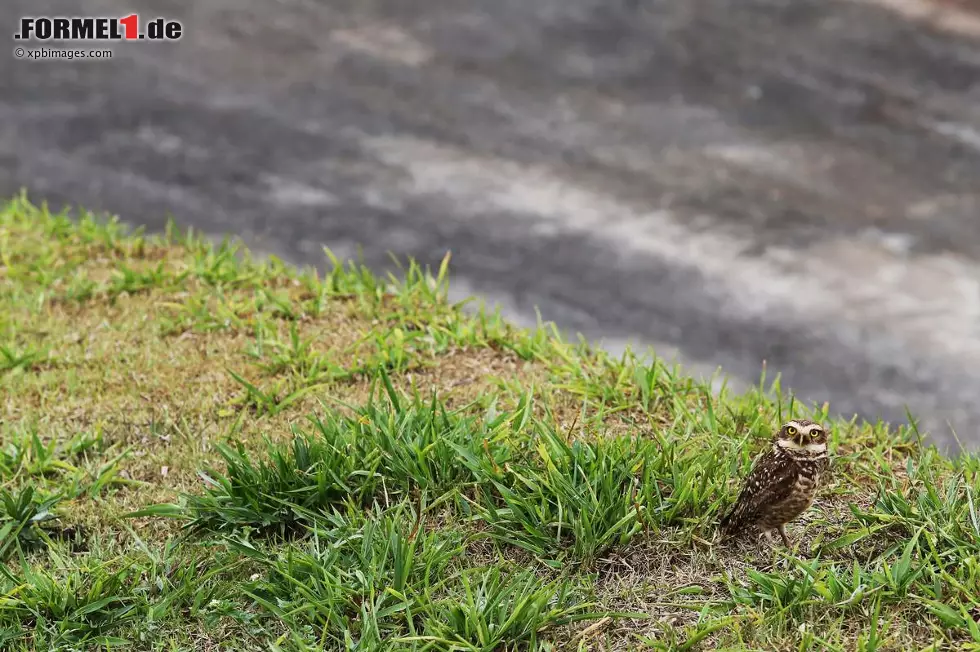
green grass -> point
(204, 451)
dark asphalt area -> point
(730, 181)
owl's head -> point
(802, 436)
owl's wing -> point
(769, 482)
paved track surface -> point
(796, 182)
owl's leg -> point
(782, 533)
(765, 536)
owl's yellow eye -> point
(791, 431)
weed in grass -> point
(490, 609)
(304, 366)
(21, 517)
(79, 290)
(586, 496)
(278, 305)
(809, 589)
(13, 358)
(417, 442)
(675, 639)
(295, 355)
(393, 352)
(368, 580)
(204, 313)
(132, 281)
(788, 593)
(82, 605)
(272, 400)
(182, 579)
(359, 578)
(26, 455)
(66, 464)
(101, 601)
(944, 507)
(291, 488)
(387, 447)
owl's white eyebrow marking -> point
(789, 444)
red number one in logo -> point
(131, 23)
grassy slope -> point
(342, 462)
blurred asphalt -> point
(732, 181)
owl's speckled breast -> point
(800, 498)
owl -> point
(782, 483)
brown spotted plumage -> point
(783, 481)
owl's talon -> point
(782, 533)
